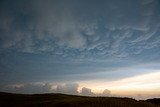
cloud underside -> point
(66, 29)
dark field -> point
(61, 100)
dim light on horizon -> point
(141, 84)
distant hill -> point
(61, 100)
(155, 101)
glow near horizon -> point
(141, 84)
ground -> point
(61, 100)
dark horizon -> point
(32, 100)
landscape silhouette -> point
(63, 100)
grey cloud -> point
(6, 21)
(30, 88)
(89, 27)
(144, 2)
(70, 88)
(59, 27)
(124, 18)
(67, 88)
(33, 88)
(52, 25)
(73, 39)
(145, 36)
(86, 92)
(37, 88)
(106, 92)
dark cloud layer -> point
(107, 28)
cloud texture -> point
(119, 29)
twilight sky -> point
(80, 46)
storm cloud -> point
(67, 26)
(28, 88)
(76, 41)
(70, 88)
(86, 92)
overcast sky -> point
(80, 42)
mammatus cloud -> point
(116, 31)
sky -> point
(84, 47)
